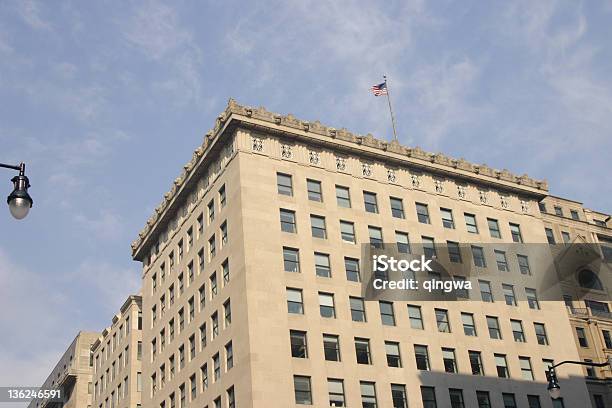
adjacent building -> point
(568, 222)
(251, 275)
(117, 359)
(72, 375)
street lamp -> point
(19, 201)
(554, 389)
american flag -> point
(380, 89)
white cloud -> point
(107, 225)
(29, 11)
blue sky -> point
(106, 101)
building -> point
(117, 359)
(568, 222)
(72, 375)
(251, 293)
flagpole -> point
(390, 109)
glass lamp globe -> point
(19, 207)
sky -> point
(106, 101)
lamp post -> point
(19, 201)
(554, 389)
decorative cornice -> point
(316, 128)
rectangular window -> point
(476, 362)
(357, 309)
(287, 220)
(534, 402)
(515, 230)
(479, 257)
(397, 207)
(509, 295)
(227, 313)
(574, 215)
(202, 295)
(303, 392)
(449, 360)
(291, 259)
(403, 243)
(212, 247)
(501, 260)
(213, 284)
(200, 224)
(428, 396)
(191, 308)
(368, 394)
(343, 197)
(398, 396)
(523, 262)
(526, 370)
(447, 218)
(550, 236)
(370, 202)
(461, 293)
(494, 228)
(211, 211)
(284, 184)
(214, 319)
(347, 231)
(485, 291)
(192, 347)
(532, 298)
(429, 246)
(493, 326)
(314, 190)
(442, 320)
(331, 347)
(295, 304)
(204, 376)
(483, 399)
(322, 265)
(317, 225)
(502, 366)
(335, 389)
(415, 317)
(393, 354)
(454, 252)
(509, 400)
(362, 351)
(421, 356)
(231, 398)
(469, 327)
(517, 331)
(226, 271)
(387, 317)
(607, 338)
(216, 367)
(558, 211)
(542, 337)
(222, 196)
(566, 237)
(326, 305)
(470, 223)
(456, 398)
(375, 234)
(299, 348)
(422, 213)
(352, 269)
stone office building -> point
(117, 359)
(251, 294)
(72, 375)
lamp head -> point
(554, 389)
(19, 200)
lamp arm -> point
(20, 167)
(584, 363)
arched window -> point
(589, 280)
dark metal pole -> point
(20, 167)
